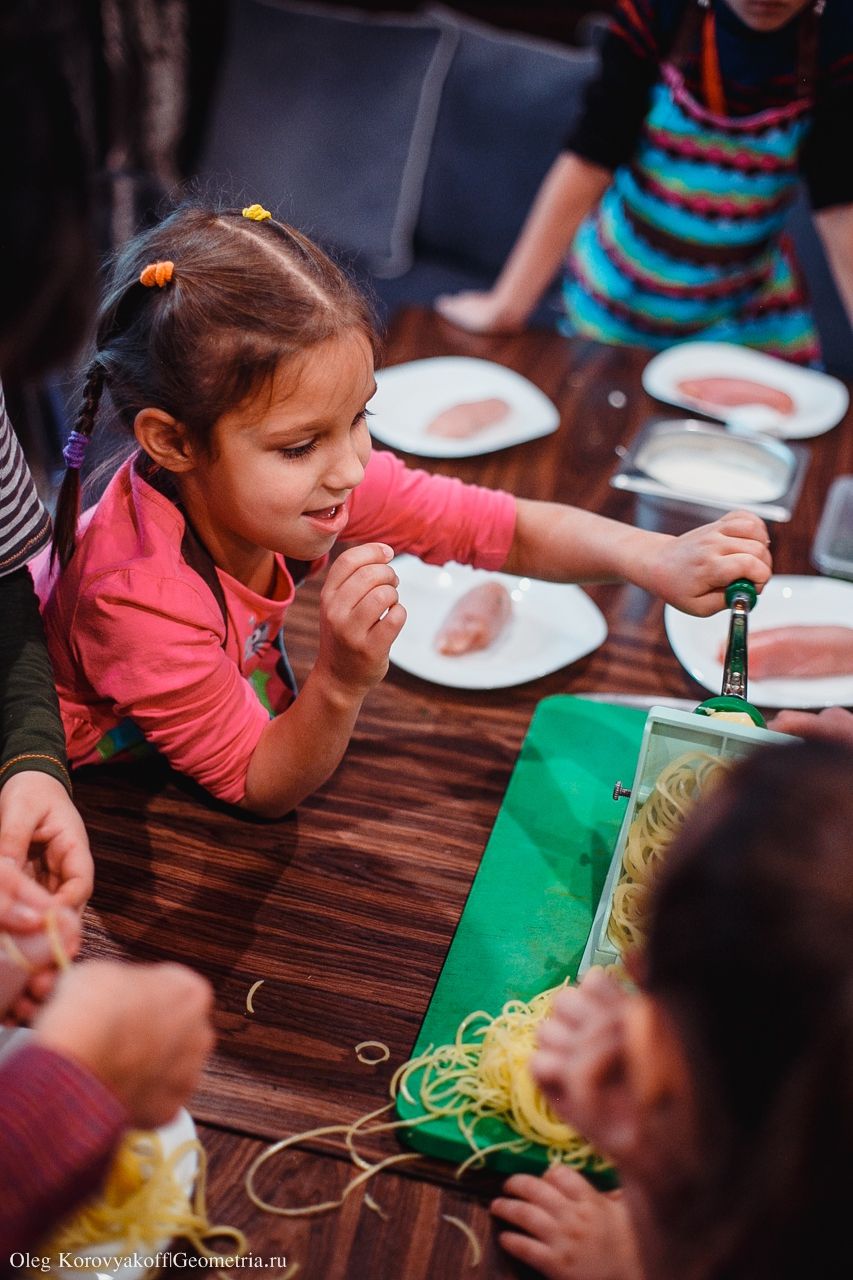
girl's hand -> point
(360, 618)
(42, 832)
(693, 571)
(477, 313)
(833, 724)
(565, 1229)
(580, 1048)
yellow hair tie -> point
(256, 213)
(158, 273)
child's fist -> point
(693, 571)
(360, 616)
(143, 1030)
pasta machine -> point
(669, 734)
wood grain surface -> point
(346, 909)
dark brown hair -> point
(751, 950)
(244, 297)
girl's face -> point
(281, 467)
(766, 15)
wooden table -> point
(346, 909)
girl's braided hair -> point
(244, 297)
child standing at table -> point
(722, 1087)
(242, 360)
(669, 204)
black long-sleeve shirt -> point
(31, 734)
(759, 72)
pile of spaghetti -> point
(485, 1074)
(144, 1204)
(654, 827)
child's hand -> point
(477, 313)
(143, 1030)
(360, 617)
(27, 956)
(565, 1229)
(833, 724)
(41, 831)
(580, 1049)
(693, 571)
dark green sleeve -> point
(31, 734)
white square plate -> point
(410, 395)
(820, 401)
(785, 601)
(552, 624)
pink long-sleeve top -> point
(140, 647)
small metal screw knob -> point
(619, 791)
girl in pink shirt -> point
(241, 359)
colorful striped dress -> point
(688, 241)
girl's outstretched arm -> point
(564, 544)
(835, 227)
(360, 617)
(568, 192)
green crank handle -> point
(741, 590)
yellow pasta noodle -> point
(473, 1242)
(369, 1059)
(250, 1008)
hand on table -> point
(143, 1030)
(693, 571)
(833, 724)
(360, 617)
(565, 1229)
(41, 831)
(477, 313)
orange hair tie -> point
(158, 273)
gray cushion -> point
(326, 116)
(508, 103)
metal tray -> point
(785, 464)
(832, 550)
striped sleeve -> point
(24, 522)
(60, 1128)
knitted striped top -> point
(759, 71)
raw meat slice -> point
(466, 419)
(475, 621)
(728, 393)
(800, 651)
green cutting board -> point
(530, 908)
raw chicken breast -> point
(475, 621)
